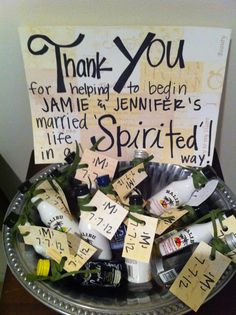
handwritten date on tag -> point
(75, 259)
(54, 198)
(230, 227)
(126, 183)
(139, 238)
(98, 165)
(199, 276)
(169, 217)
(108, 216)
(45, 237)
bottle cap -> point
(230, 240)
(140, 154)
(209, 172)
(43, 267)
(75, 182)
(70, 158)
(135, 200)
(11, 219)
(81, 190)
(24, 187)
(103, 180)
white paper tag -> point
(108, 216)
(199, 196)
(139, 238)
(199, 276)
(74, 261)
(126, 183)
(45, 237)
(165, 223)
(98, 165)
(52, 197)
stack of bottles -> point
(169, 254)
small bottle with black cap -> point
(138, 272)
(179, 192)
(87, 232)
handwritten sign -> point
(139, 238)
(108, 216)
(169, 217)
(98, 165)
(199, 276)
(126, 183)
(53, 197)
(138, 86)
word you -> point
(95, 66)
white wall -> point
(15, 123)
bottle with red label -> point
(191, 234)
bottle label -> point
(176, 242)
(117, 242)
(57, 223)
(168, 200)
(107, 275)
(168, 276)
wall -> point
(15, 123)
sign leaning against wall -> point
(149, 87)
